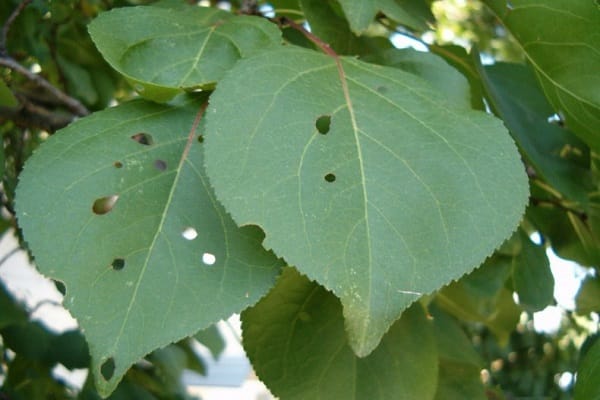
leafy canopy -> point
(375, 175)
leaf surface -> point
(561, 39)
(360, 14)
(587, 387)
(557, 155)
(363, 177)
(296, 341)
(164, 50)
(118, 208)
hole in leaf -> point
(118, 164)
(189, 233)
(330, 177)
(143, 138)
(107, 369)
(323, 124)
(555, 119)
(209, 259)
(104, 205)
(200, 139)
(60, 286)
(160, 165)
(118, 264)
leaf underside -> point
(117, 207)
(188, 47)
(363, 177)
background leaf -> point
(587, 387)
(162, 258)
(196, 45)
(360, 14)
(567, 61)
(295, 338)
(361, 207)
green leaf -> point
(431, 68)
(296, 341)
(162, 51)
(335, 31)
(588, 296)
(562, 40)
(588, 373)
(557, 155)
(118, 208)
(11, 311)
(533, 280)
(212, 339)
(7, 98)
(382, 207)
(360, 14)
(459, 364)
(482, 297)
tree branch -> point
(72, 104)
(8, 24)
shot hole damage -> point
(209, 259)
(107, 369)
(118, 164)
(160, 165)
(330, 177)
(189, 233)
(200, 139)
(143, 138)
(104, 205)
(323, 124)
(118, 264)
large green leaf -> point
(363, 177)
(117, 207)
(557, 155)
(561, 38)
(296, 341)
(163, 50)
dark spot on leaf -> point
(104, 205)
(118, 164)
(200, 139)
(118, 264)
(60, 286)
(209, 259)
(323, 124)
(330, 177)
(107, 369)
(143, 138)
(381, 89)
(189, 233)
(160, 165)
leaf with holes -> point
(296, 341)
(117, 207)
(363, 177)
(561, 38)
(196, 45)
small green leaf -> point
(557, 155)
(7, 98)
(588, 296)
(562, 40)
(360, 14)
(383, 207)
(533, 280)
(588, 374)
(162, 51)
(212, 339)
(118, 208)
(296, 341)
